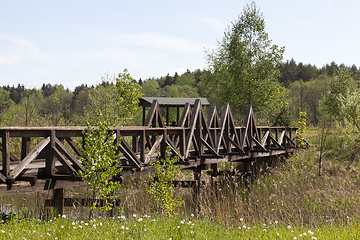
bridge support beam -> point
(214, 173)
(58, 198)
(197, 188)
(248, 174)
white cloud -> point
(15, 49)
(162, 41)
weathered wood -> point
(50, 161)
(5, 153)
(73, 146)
(197, 140)
(153, 149)
(58, 198)
(67, 166)
(76, 163)
(30, 157)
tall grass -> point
(289, 190)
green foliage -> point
(117, 98)
(100, 162)
(301, 122)
(5, 101)
(244, 66)
(343, 99)
(162, 189)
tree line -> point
(246, 68)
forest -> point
(55, 105)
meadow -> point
(288, 200)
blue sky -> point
(75, 42)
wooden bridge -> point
(50, 156)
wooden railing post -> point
(25, 147)
(50, 161)
(6, 153)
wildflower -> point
(122, 227)
(182, 221)
(134, 215)
(310, 232)
(140, 219)
(276, 222)
(192, 215)
(304, 234)
(178, 226)
(63, 216)
(241, 219)
(264, 230)
(127, 228)
(244, 226)
(295, 238)
(312, 237)
(86, 224)
(145, 229)
(73, 223)
(289, 227)
(62, 226)
(101, 224)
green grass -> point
(284, 193)
(146, 227)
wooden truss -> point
(197, 140)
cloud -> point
(15, 49)
(162, 41)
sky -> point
(72, 42)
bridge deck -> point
(50, 155)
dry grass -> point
(288, 191)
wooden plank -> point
(50, 161)
(262, 149)
(77, 164)
(281, 137)
(236, 146)
(25, 147)
(73, 146)
(13, 158)
(30, 157)
(142, 140)
(276, 143)
(210, 148)
(129, 154)
(153, 149)
(185, 114)
(61, 159)
(264, 138)
(6, 153)
(223, 118)
(194, 117)
(151, 114)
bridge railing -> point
(52, 152)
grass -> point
(146, 227)
(284, 193)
